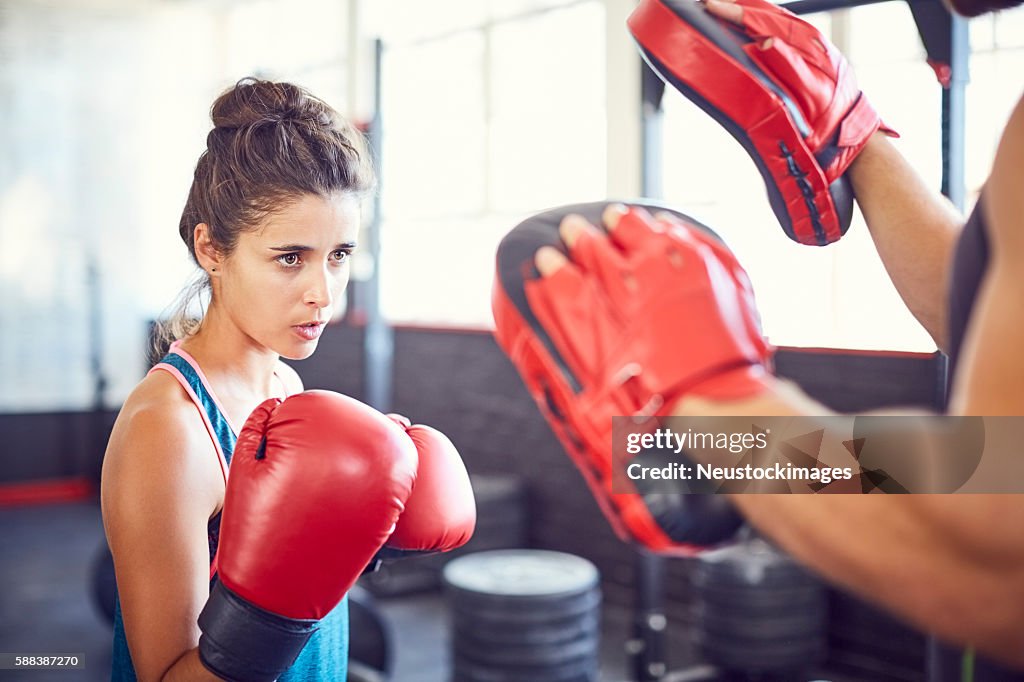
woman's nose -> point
(318, 291)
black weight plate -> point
(787, 626)
(493, 633)
(533, 655)
(576, 671)
(467, 607)
(525, 573)
(738, 654)
(760, 601)
(816, 609)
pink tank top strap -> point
(187, 372)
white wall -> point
(104, 110)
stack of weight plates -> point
(524, 615)
(757, 611)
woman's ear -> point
(206, 252)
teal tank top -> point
(325, 656)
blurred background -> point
(489, 110)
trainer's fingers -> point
(589, 247)
(571, 227)
(548, 260)
(630, 226)
(612, 214)
(665, 216)
(726, 9)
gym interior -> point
(479, 114)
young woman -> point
(271, 219)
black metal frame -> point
(379, 348)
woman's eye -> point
(289, 259)
(340, 255)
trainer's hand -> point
(549, 259)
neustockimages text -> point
(774, 472)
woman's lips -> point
(308, 332)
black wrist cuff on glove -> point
(243, 643)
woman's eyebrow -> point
(303, 247)
(291, 247)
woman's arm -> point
(161, 483)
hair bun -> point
(253, 102)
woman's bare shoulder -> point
(158, 406)
(159, 443)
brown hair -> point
(271, 143)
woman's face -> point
(282, 281)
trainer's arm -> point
(952, 564)
(914, 230)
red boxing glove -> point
(440, 514)
(317, 484)
(781, 89)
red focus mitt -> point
(781, 89)
(625, 328)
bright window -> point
(483, 124)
